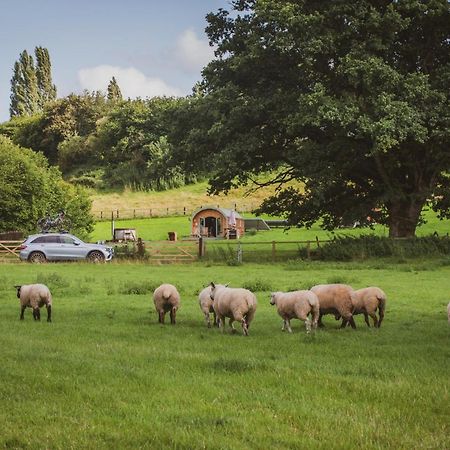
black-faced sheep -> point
(235, 303)
(166, 299)
(366, 301)
(35, 296)
(335, 299)
(296, 304)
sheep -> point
(235, 303)
(166, 298)
(296, 304)
(366, 301)
(35, 296)
(206, 305)
(335, 299)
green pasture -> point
(105, 375)
(157, 228)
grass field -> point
(156, 229)
(105, 374)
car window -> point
(67, 240)
(46, 240)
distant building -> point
(210, 221)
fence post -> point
(117, 214)
(201, 249)
(239, 253)
(134, 214)
(167, 211)
(308, 250)
(150, 212)
(184, 210)
(101, 214)
(273, 251)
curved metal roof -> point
(224, 211)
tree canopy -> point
(30, 189)
(350, 98)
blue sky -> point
(151, 47)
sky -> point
(151, 47)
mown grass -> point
(156, 229)
(105, 374)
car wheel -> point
(37, 257)
(96, 257)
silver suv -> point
(40, 248)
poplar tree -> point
(114, 93)
(24, 89)
(46, 89)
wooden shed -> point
(210, 221)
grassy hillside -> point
(104, 374)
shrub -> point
(257, 285)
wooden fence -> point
(10, 249)
(188, 251)
(142, 213)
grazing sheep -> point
(206, 305)
(235, 303)
(296, 304)
(35, 296)
(366, 301)
(335, 299)
(166, 298)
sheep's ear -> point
(227, 284)
(213, 285)
(18, 287)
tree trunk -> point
(403, 217)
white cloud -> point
(192, 53)
(132, 82)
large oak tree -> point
(349, 97)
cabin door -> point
(211, 224)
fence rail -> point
(10, 249)
(142, 213)
(188, 251)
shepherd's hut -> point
(210, 221)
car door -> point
(72, 248)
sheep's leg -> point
(288, 323)
(308, 325)
(344, 323)
(221, 323)
(207, 320)
(173, 315)
(215, 319)
(49, 313)
(161, 317)
(244, 326)
(381, 314)
(283, 328)
(374, 318)
(352, 322)
(366, 319)
(22, 310)
(37, 313)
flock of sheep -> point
(239, 305)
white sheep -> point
(366, 301)
(206, 305)
(35, 296)
(166, 299)
(296, 304)
(335, 299)
(235, 303)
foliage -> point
(31, 85)
(347, 248)
(352, 99)
(114, 94)
(132, 144)
(30, 189)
